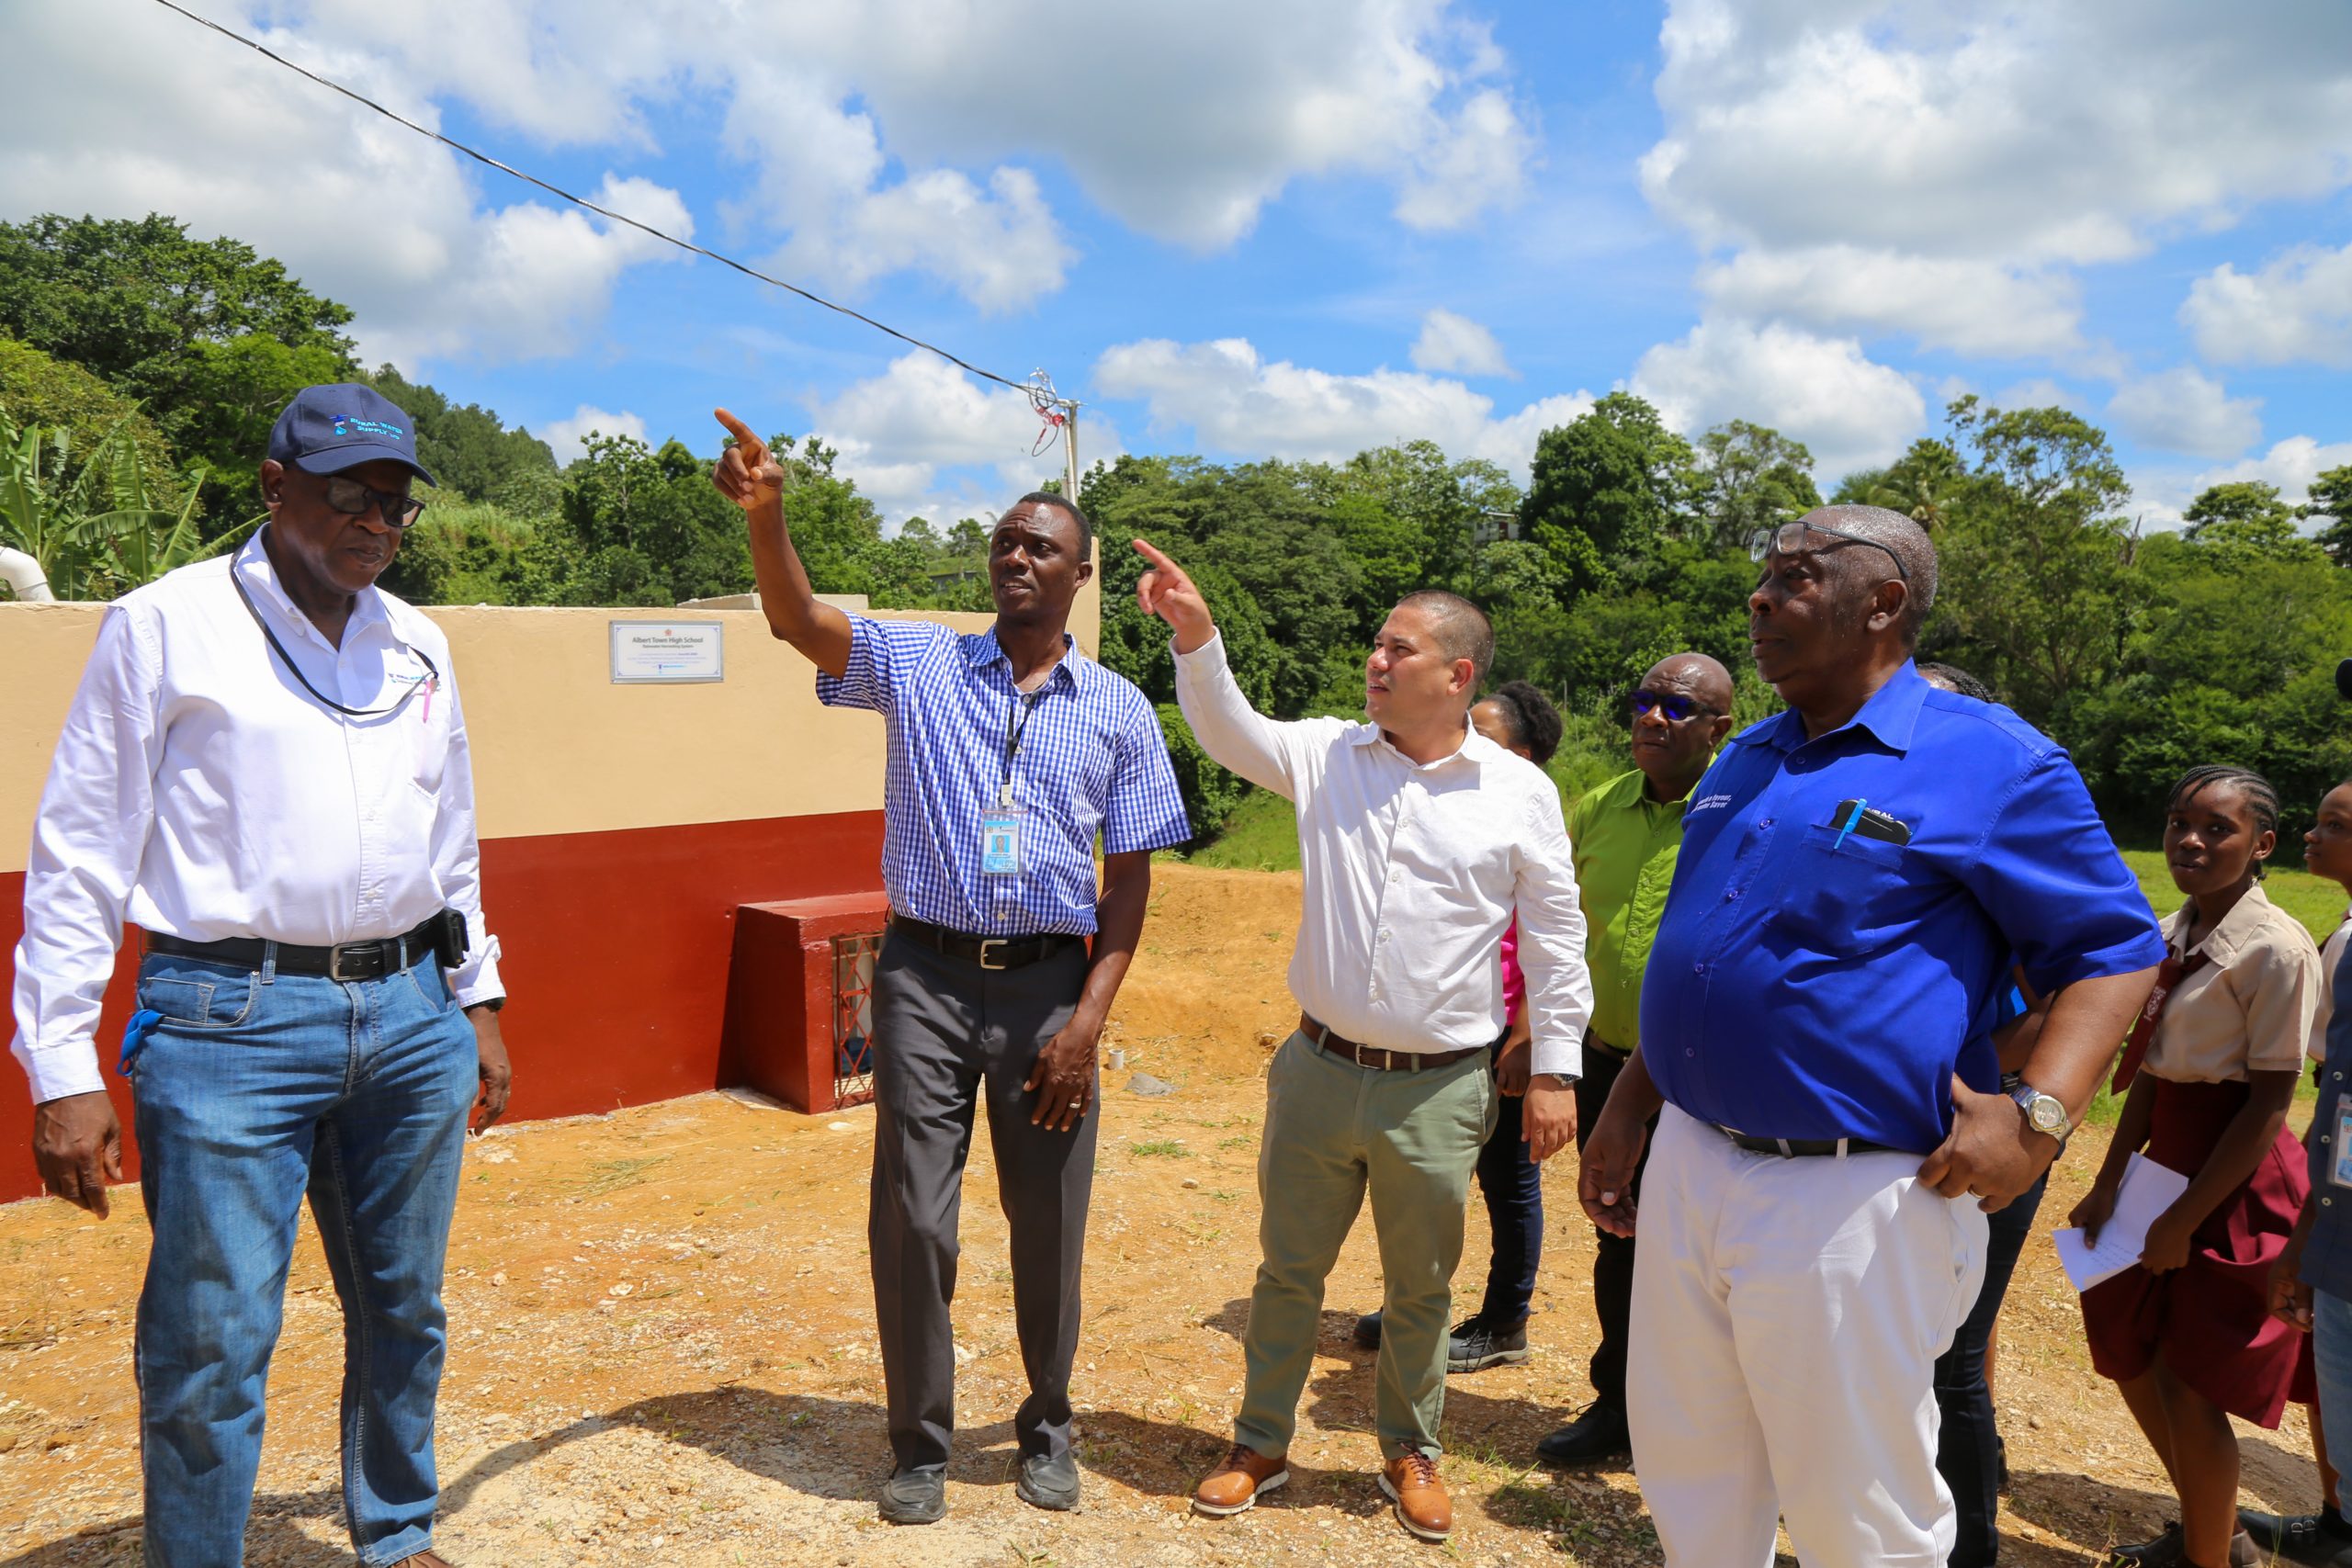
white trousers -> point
(1787, 1318)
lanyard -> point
(1021, 708)
(279, 649)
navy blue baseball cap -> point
(328, 429)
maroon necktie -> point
(2169, 974)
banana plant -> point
(96, 528)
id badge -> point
(2340, 1168)
(1000, 841)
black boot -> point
(1594, 1438)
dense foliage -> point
(140, 371)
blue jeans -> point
(1512, 1185)
(2331, 1357)
(255, 1089)
(1968, 1448)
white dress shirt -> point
(199, 792)
(1414, 870)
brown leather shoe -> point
(1244, 1477)
(1422, 1506)
(427, 1559)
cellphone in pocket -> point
(1858, 818)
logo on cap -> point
(345, 424)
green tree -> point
(39, 390)
(1921, 484)
(1747, 479)
(176, 323)
(128, 298)
(2331, 500)
(228, 396)
(471, 452)
(2247, 518)
(2036, 579)
(1603, 489)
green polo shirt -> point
(1624, 844)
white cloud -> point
(1451, 342)
(2299, 306)
(2182, 410)
(359, 208)
(568, 438)
(2291, 465)
(1852, 412)
(1971, 153)
(1236, 403)
(886, 135)
(901, 433)
(1970, 306)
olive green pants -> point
(1333, 1130)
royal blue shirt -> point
(1090, 760)
(1813, 984)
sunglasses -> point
(1788, 539)
(1674, 705)
(353, 499)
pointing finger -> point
(1156, 559)
(741, 432)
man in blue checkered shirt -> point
(1010, 751)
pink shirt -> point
(1514, 983)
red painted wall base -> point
(615, 950)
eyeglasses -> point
(353, 499)
(1674, 705)
(1788, 539)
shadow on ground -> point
(837, 1449)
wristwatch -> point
(2044, 1114)
(1559, 1080)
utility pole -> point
(1059, 414)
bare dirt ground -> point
(660, 1346)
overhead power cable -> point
(1027, 388)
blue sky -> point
(1245, 231)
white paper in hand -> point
(2148, 1190)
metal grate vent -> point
(853, 1018)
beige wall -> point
(557, 747)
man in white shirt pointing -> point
(266, 770)
(1420, 839)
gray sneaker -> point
(915, 1497)
(1048, 1480)
(1473, 1346)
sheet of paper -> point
(2148, 1190)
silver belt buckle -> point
(335, 966)
(987, 942)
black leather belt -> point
(1806, 1148)
(351, 961)
(1590, 1039)
(1380, 1056)
(988, 952)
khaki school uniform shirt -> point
(2249, 1007)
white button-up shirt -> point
(1414, 870)
(199, 792)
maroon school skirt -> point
(2209, 1321)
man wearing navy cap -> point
(266, 771)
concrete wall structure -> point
(621, 826)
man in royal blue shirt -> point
(1855, 876)
(1009, 753)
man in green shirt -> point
(1625, 834)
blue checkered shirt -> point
(1091, 759)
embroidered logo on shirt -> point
(1709, 802)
